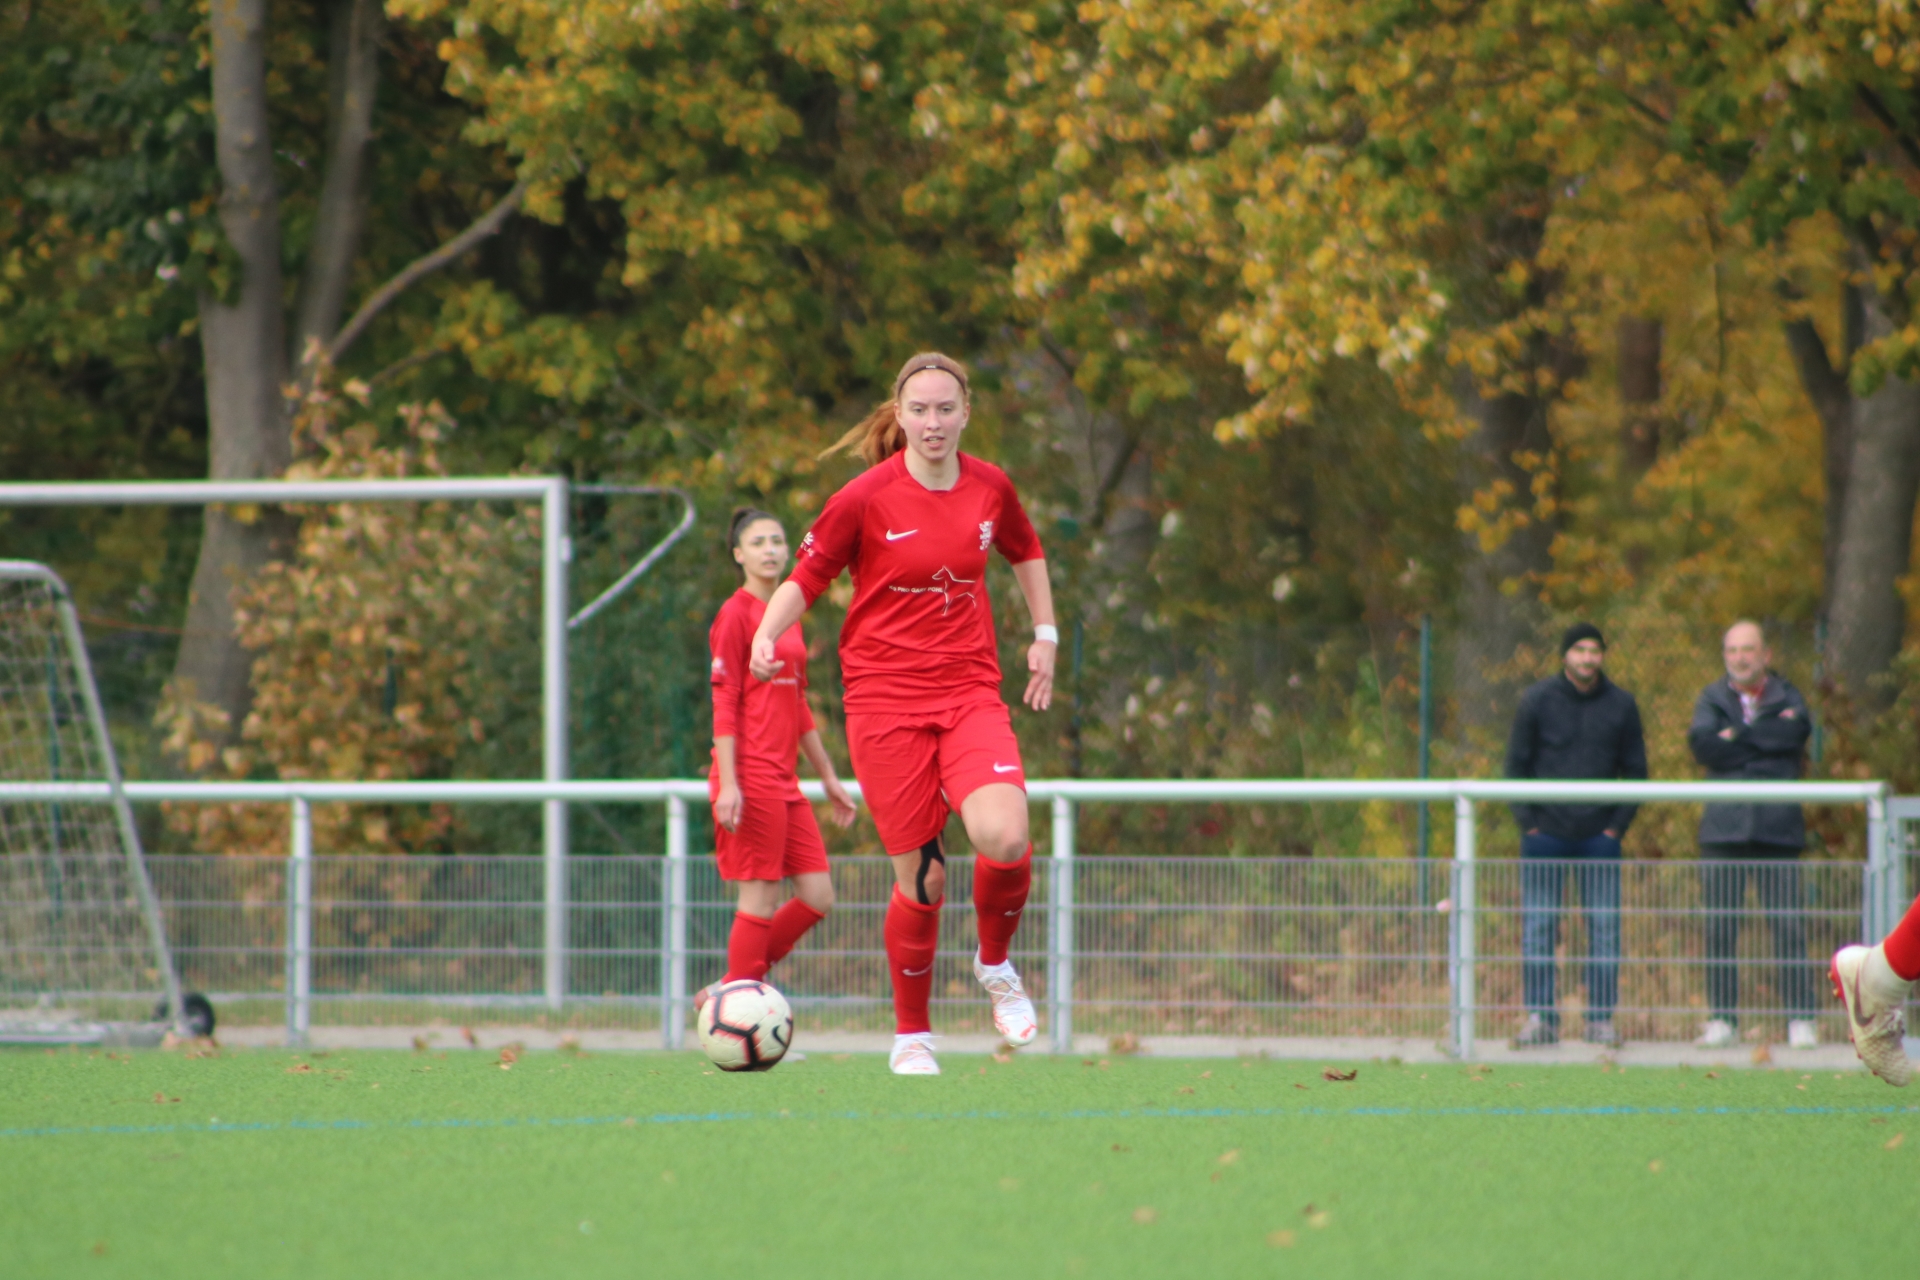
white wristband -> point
(1048, 632)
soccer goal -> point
(83, 949)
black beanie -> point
(1581, 631)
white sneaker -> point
(913, 1055)
(1718, 1034)
(1012, 1011)
(1802, 1034)
(1876, 1000)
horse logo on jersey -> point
(986, 534)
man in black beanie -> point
(1577, 724)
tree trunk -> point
(1826, 386)
(353, 69)
(1866, 615)
(1500, 610)
(244, 347)
(1639, 354)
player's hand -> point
(842, 802)
(1040, 656)
(728, 806)
(762, 662)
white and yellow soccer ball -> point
(746, 1026)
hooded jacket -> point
(1560, 732)
(1772, 748)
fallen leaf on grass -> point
(1299, 1086)
(419, 1044)
(1146, 1215)
(509, 1054)
(1230, 1157)
(1003, 1054)
(840, 1057)
(164, 1100)
(1280, 1239)
(473, 1041)
(1655, 1166)
(100, 1248)
(1206, 1075)
(301, 1069)
(1338, 1076)
(570, 1043)
(1316, 1218)
(1186, 1088)
(1762, 1056)
(1893, 1143)
(1125, 1042)
(1713, 1075)
(1118, 1147)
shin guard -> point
(999, 896)
(912, 936)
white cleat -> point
(1012, 1011)
(913, 1055)
(1876, 999)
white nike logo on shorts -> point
(914, 973)
(1006, 768)
(895, 537)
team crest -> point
(986, 533)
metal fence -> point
(1243, 946)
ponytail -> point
(878, 436)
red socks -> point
(790, 924)
(912, 933)
(999, 896)
(1902, 946)
(747, 947)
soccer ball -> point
(747, 1026)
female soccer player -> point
(1875, 984)
(764, 829)
(925, 724)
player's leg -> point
(899, 781)
(1874, 984)
(980, 765)
(806, 866)
(750, 857)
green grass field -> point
(443, 1164)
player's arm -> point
(816, 753)
(726, 805)
(788, 603)
(1035, 586)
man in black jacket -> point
(1577, 724)
(1753, 724)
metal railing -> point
(1275, 945)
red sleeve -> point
(831, 544)
(728, 642)
(806, 708)
(1014, 537)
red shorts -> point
(775, 839)
(915, 769)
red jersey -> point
(920, 630)
(765, 718)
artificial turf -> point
(369, 1164)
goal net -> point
(83, 950)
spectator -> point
(1752, 724)
(1577, 724)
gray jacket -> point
(1772, 748)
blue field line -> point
(1125, 1113)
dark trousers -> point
(1595, 863)
(1724, 869)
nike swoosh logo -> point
(1006, 768)
(895, 537)
(914, 973)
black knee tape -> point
(929, 854)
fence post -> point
(556, 553)
(1060, 931)
(1883, 896)
(1462, 933)
(673, 966)
(300, 925)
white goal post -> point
(556, 552)
(81, 934)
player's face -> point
(762, 550)
(933, 413)
(1746, 654)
